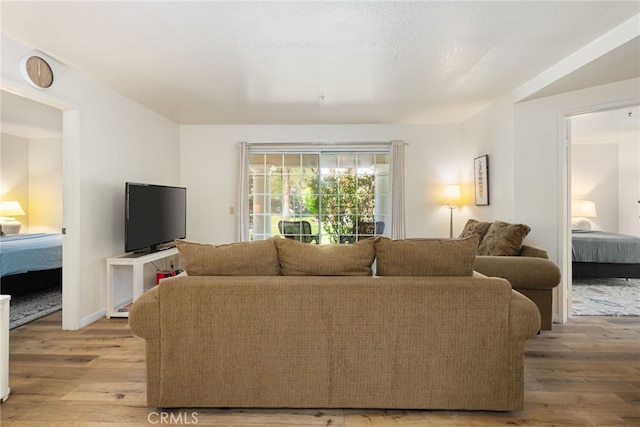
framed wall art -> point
(481, 180)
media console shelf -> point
(127, 277)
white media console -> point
(4, 346)
(129, 275)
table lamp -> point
(8, 210)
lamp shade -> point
(451, 195)
(11, 208)
(583, 209)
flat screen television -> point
(154, 216)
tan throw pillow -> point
(426, 257)
(256, 258)
(473, 227)
(503, 239)
(305, 259)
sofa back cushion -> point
(426, 257)
(474, 227)
(304, 259)
(503, 239)
(255, 258)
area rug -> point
(605, 297)
(31, 306)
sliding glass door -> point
(328, 196)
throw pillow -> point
(503, 239)
(426, 257)
(473, 227)
(305, 259)
(255, 258)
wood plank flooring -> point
(583, 373)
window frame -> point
(393, 149)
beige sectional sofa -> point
(501, 253)
(531, 273)
(280, 323)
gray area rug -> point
(605, 297)
(31, 306)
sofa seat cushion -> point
(303, 259)
(255, 258)
(426, 257)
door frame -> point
(564, 290)
(70, 202)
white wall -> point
(491, 132)
(524, 144)
(540, 154)
(608, 173)
(14, 173)
(108, 139)
(32, 175)
(594, 177)
(629, 181)
(208, 170)
(531, 164)
(45, 185)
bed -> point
(29, 262)
(605, 254)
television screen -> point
(154, 215)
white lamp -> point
(583, 208)
(8, 210)
(452, 197)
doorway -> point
(603, 161)
(32, 175)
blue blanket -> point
(20, 253)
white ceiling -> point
(607, 127)
(207, 62)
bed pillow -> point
(255, 258)
(473, 227)
(306, 259)
(580, 224)
(503, 239)
(426, 257)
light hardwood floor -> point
(583, 373)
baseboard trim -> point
(93, 317)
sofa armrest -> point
(521, 271)
(532, 251)
(524, 317)
(144, 316)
